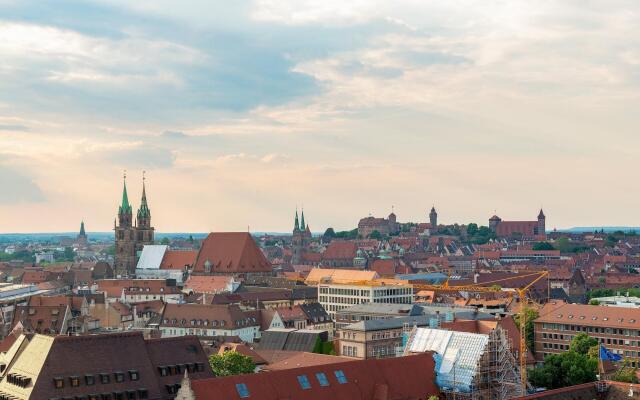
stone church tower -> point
(300, 239)
(433, 218)
(130, 239)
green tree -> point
(375, 235)
(329, 233)
(231, 363)
(626, 374)
(165, 241)
(582, 342)
(531, 315)
(543, 246)
(565, 369)
(594, 302)
(472, 229)
(191, 239)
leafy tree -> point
(472, 229)
(190, 239)
(165, 241)
(530, 316)
(375, 235)
(352, 234)
(543, 246)
(626, 374)
(231, 363)
(594, 302)
(582, 342)
(329, 233)
(565, 369)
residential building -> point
(408, 378)
(92, 367)
(136, 290)
(377, 338)
(209, 320)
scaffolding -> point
(482, 368)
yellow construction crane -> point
(494, 288)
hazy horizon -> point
(242, 111)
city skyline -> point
(241, 112)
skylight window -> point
(304, 382)
(322, 379)
(242, 389)
(340, 376)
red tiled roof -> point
(405, 378)
(295, 359)
(340, 249)
(35, 277)
(178, 259)
(207, 284)
(231, 252)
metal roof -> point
(151, 256)
(457, 355)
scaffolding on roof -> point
(470, 366)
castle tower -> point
(433, 217)
(541, 223)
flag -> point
(607, 355)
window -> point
(163, 371)
(104, 378)
(133, 375)
(89, 379)
(304, 382)
(58, 382)
(75, 381)
(119, 376)
(200, 367)
(242, 389)
(131, 395)
(322, 379)
(143, 394)
(340, 376)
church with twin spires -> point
(131, 236)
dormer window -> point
(119, 376)
(75, 381)
(58, 383)
(207, 266)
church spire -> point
(82, 232)
(302, 224)
(296, 224)
(125, 206)
(144, 211)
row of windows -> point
(349, 351)
(596, 329)
(89, 380)
(138, 394)
(166, 370)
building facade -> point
(130, 238)
(533, 230)
(335, 297)
(617, 328)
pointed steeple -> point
(296, 224)
(125, 207)
(82, 232)
(143, 211)
(302, 224)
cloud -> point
(18, 187)
(11, 127)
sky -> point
(240, 111)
